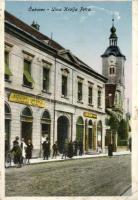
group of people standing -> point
(69, 149)
(21, 151)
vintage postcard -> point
(67, 99)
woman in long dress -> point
(29, 149)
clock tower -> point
(113, 69)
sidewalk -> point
(40, 160)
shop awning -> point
(7, 70)
(28, 76)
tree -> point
(123, 129)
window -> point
(90, 95)
(99, 98)
(27, 78)
(79, 91)
(7, 69)
(64, 85)
(46, 79)
(112, 70)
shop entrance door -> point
(26, 131)
(62, 132)
(89, 138)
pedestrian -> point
(65, 149)
(129, 143)
(15, 142)
(55, 149)
(46, 149)
(17, 154)
(29, 149)
(70, 149)
(75, 147)
(6, 150)
(23, 147)
(110, 149)
(80, 148)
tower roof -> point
(113, 50)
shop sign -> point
(90, 115)
(19, 98)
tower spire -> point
(113, 20)
(113, 36)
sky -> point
(84, 32)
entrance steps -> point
(90, 152)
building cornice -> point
(52, 100)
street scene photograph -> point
(68, 101)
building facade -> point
(50, 92)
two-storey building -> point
(49, 91)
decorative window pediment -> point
(46, 64)
(8, 47)
(65, 71)
(28, 56)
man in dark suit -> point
(46, 149)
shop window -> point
(90, 95)
(46, 73)
(99, 134)
(99, 98)
(27, 78)
(79, 129)
(26, 112)
(64, 85)
(45, 124)
(8, 72)
(7, 126)
(79, 91)
(26, 124)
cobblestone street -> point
(84, 177)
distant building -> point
(49, 91)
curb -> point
(68, 159)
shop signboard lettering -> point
(19, 98)
(89, 115)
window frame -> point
(64, 88)
(99, 97)
(112, 70)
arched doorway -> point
(62, 131)
(7, 126)
(99, 134)
(79, 129)
(90, 134)
(45, 124)
(26, 124)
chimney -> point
(35, 25)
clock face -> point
(112, 59)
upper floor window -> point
(99, 98)
(46, 72)
(64, 85)
(8, 72)
(64, 81)
(90, 95)
(27, 78)
(112, 70)
(79, 91)
(46, 75)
